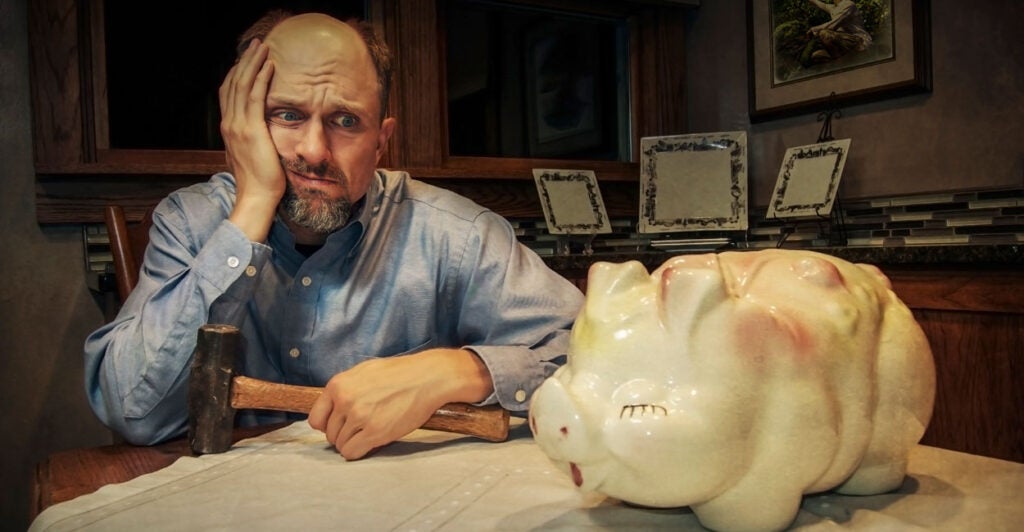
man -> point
(330, 267)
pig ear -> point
(607, 281)
(610, 279)
(688, 293)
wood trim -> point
(975, 290)
(98, 72)
(979, 357)
(515, 168)
(55, 81)
(411, 27)
(83, 198)
(660, 98)
(152, 163)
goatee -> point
(311, 208)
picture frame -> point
(808, 181)
(801, 60)
(563, 89)
(694, 182)
(572, 202)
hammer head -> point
(211, 417)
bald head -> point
(296, 39)
(314, 32)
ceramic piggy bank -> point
(734, 383)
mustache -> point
(323, 170)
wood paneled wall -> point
(974, 321)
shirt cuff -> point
(229, 256)
(516, 372)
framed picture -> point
(809, 180)
(811, 54)
(693, 182)
(563, 88)
(572, 202)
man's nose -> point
(314, 146)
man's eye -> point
(285, 117)
(346, 121)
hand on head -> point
(251, 155)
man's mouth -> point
(312, 177)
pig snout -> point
(557, 423)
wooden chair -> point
(127, 245)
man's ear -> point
(387, 128)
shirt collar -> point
(370, 206)
(367, 208)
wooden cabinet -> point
(78, 171)
(974, 321)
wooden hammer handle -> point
(485, 422)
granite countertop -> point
(945, 255)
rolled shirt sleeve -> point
(136, 365)
(520, 309)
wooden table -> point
(67, 474)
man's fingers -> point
(358, 446)
(246, 71)
(258, 94)
(318, 412)
(350, 426)
(334, 425)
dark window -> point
(164, 66)
(535, 83)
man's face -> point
(323, 111)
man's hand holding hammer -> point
(357, 412)
(382, 400)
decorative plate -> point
(571, 201)
(693, 182)
(809, 180)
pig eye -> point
(642, 410)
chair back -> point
(128, 243)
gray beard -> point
(311, 208)
(314, 211)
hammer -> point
(215, 392)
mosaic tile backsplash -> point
(962, 218)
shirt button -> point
(233, 262)
(294, 352)
(250, 270)
(306, 281)
(520, 395)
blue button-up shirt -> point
(419, 267)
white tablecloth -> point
(290, 479)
